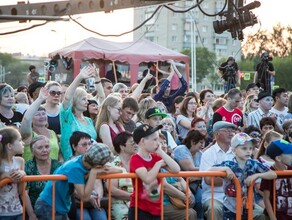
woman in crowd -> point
(144, 105)
(250, 104)
(289, 113)
(255, 133)
(122, 89)
(200, 125)
(168, 125)
(8, 116)
(92, 110)
(287, 128)
(52, 106)
(34, 123)
(108, 125)
(188, 155)
(80, 142)
(187, 113)
(174, 108)
(121, 189)
(207, 98)
(41, 164)
(71, 113)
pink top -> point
(174, 83)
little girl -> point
(11, 167)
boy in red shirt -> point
(147, 164)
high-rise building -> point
(174, 30)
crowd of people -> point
(65, 129)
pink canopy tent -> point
(132, 53)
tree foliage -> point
(277, 42)
(14, 70)
(205, 61)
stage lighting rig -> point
(236, 19)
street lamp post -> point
(193, 52)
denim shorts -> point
(43, 211)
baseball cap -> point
(98, 154)
(153, 112)
(144, 130)
(252, 85)
(223, 124)
(278, 147)
(264, 94)
(240, 139)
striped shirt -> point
(255, 116)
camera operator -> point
(265, 72)
(228, 71)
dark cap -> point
(153, 112)
(144, 130)
(252, 85)
(230, 59)
(32, 87)
(263, 94)
(278, 147)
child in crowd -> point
(11, 167)
(281, 152)
(147, 164)
(90, 164)
(243, 168)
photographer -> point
(228, 71)
(265, 72)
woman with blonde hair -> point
(71, 113)
(34, 123)
(144, 105)
(250, 104)
(108, 125)
(169, 125)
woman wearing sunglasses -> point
(52, 106)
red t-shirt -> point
(234, 116)
(283, 195)
(145, 204)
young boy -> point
(243, 168)
(92, 163)
(281, 152)
(147, 164)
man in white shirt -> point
(217, 153)
(280, 96)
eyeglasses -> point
(54, 93)
(254, 135)
(192, 103)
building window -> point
(205, 5)
(174, 27)
(187, 26)
(152, 20)
(150, 38)
(173, 38)
(205, 28)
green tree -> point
(205, 61)
(277, 42)
(14, 69)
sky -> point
(55, 35)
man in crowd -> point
(229, 72)
(280, 96)
(129, 109)
(229, 112)
(265, 72)
(265, 100)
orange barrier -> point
(134, 176)
(250, 202)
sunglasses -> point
(54, 93)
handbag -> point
(178, 203)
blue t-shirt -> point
(69, 124)
(75, 171)
(182, 152)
